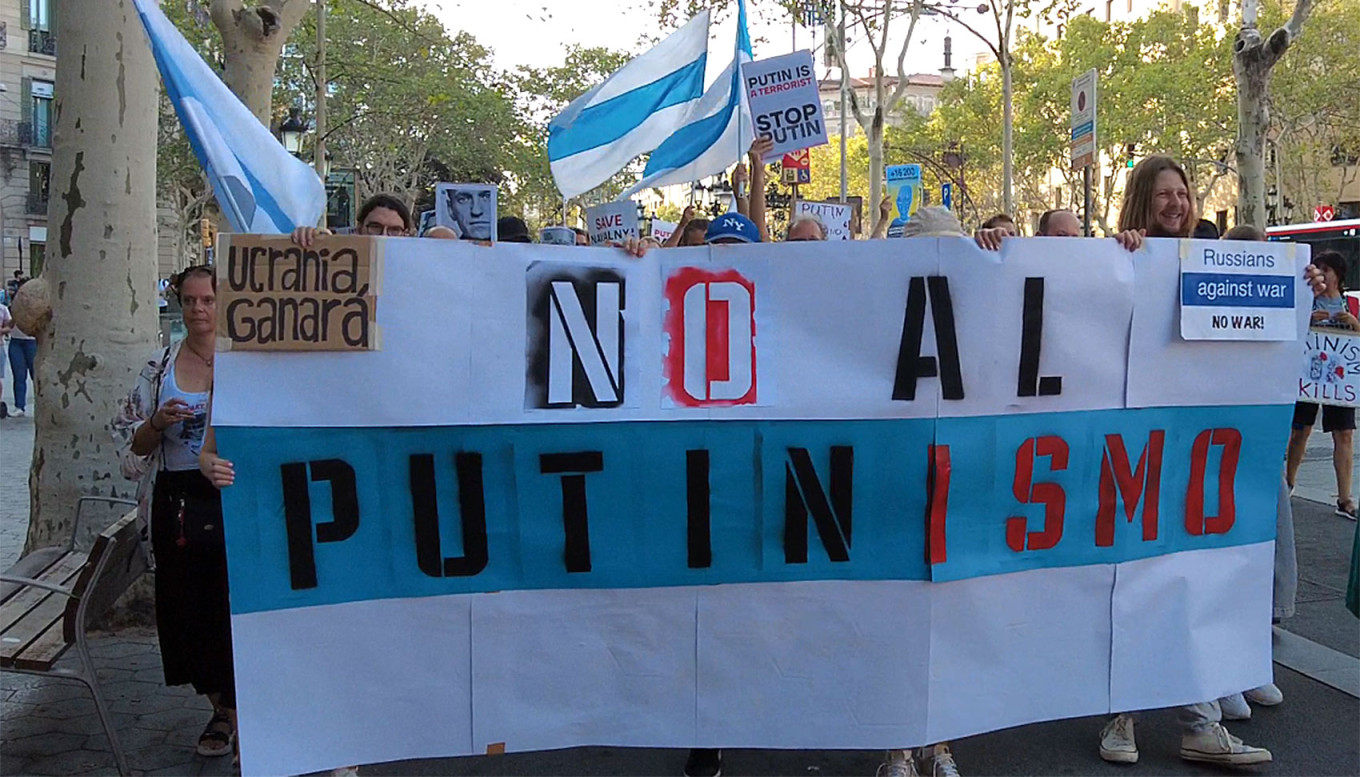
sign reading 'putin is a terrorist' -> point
(784, 102)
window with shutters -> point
(38, 112)
(39, 184)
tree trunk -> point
(252, 39)
(875, 138)
(1253, 118)
(100, 276)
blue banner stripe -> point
(608, 121)
(1232, 290)
(679, 503)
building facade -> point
(28, 70)
(921, 95)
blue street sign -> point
(947, 195)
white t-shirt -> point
(183, 440)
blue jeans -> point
(21, 356)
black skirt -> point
(193, 611)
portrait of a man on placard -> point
(467, 208)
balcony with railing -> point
(36, 204)
(42, 42)
(25, 133)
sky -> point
(537, 32)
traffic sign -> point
(947, 195)
(797, 167)
(1323, 213)
(1083, 145)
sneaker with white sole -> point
(1346, 509)
(1267, 695)
(1235, 707)
(18, 412)
(1215, 745)
(937, 761)
(899, 763)
(1116, 741)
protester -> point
(1329, 310)
(1059, 222)
(1205, 230)
(159, 430)
(583, 237)
(1157, 203)
(731, 228)
(23, 352)
(751, 202)
(885, 209)
(512, 229)
(689, 231)
(808, 226)
(6, 325)
(380, 215)
(1001, 221)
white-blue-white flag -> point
(718, 132)
(259, 185)
(629, 114)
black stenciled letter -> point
(803, 494)
(699, 539)
(911, 365)
(471, 506)
(1031, 343)
(297, 513)
(573, 468)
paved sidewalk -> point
(50, 726)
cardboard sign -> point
(904, 187)
(467, 208)
(662, 230)
(1331, 367)
(1238, 291)
(613, 222)
(784, 102)
(273, 295)
(835, 215)
(425, 221)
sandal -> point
(217, 737)
(1346, 509)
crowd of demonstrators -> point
(168, 444)
(1329, 311)
(159, 429)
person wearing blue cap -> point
(732, 228)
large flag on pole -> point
(259, 185)
(631, 112)
(718, 132)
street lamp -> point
(292, 130)
(1272, 205)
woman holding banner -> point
(159, 429)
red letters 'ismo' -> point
(712, 328)
(1144, 484)
(1196, 522)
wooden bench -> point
(48, 598)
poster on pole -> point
(836, 216)
(613, 222)
(784, 102)
(904, 188)
(1083, 146)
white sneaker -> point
(937, 761)
(18, 412)
(1267, 695)
(898, 767)
(1216, 746)
(1235, 707)
(1116, 741)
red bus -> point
(1342, 236)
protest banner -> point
(1237, 291)
(613, 222)
(662, 230)
(905, 190)
(835, 215)
(784, 102)
(1331, 367)
(467, 208)
(724, 479)
(274, 295)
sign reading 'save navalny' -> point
(274, 295)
